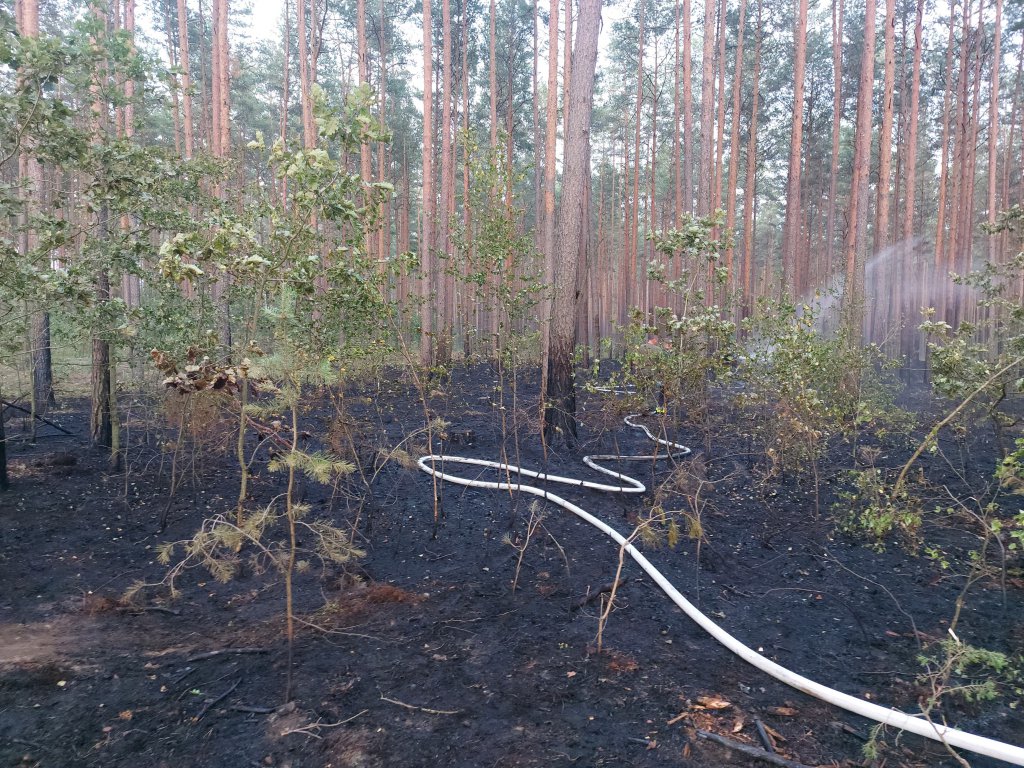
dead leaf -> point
(686, 750)
(652, 744)
(783, 711)
(712, 702)
(738, 725)
(126, 714)
(570, 674)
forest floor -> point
(425, 656)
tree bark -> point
(915, 295)
(748, 186)
(224, 105)
(910, 173)
(707, 110)
(550, 141)
(445, 294)
(185, 65)
(32, 171)
(938, 276)
(857, 210)
(837, 117)
(677, 161)
(492, 69)
(305, 86)
(427, 212)
(993, 130)
(734, 145)
(634, 251)
(791, 229)
(574, 220)
(882, 238)
(687, 109)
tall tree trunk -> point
(885, 134)
(677, 167)
(993, 129)
(550, 141)
(305, 86)
(215, 81)
(567, 60)
(718, 168)
(857, 211)
(634, 253)
(445, 281)
(222, 145)
(907, 230)
(285, 90)
(384, 150)
(535, 105)
(707, 110)
(363, 68)
(427, 212)
(961, 161)
(837, 117)
(749, 196)
(687, 109)
(734, 146)
(791, 234)
(492, 69)
(172, 59)
(185, 64)
(916, 294)
(32, 171)
(573, 225)
(101, 421)
(129, 83)
(938, 294)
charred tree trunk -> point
(573, 224)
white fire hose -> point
(891, 717)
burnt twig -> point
(211, 703)
(223, 652)
(749, 751)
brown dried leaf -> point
(713, 702)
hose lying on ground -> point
(901, 720)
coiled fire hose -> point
(891, 717)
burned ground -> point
(421, 654)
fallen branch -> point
(749, 751)
(223, 652)
(254, 710)
(148, 609)
(762, 734)
(421, 709)
(307, 730)
(47, 422)
(211, 703)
